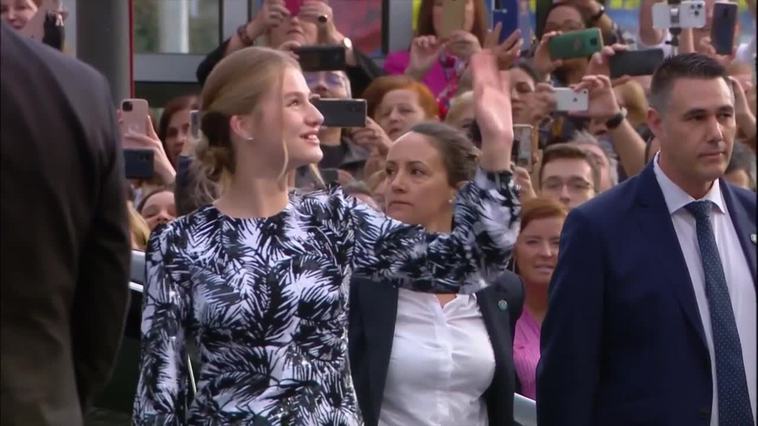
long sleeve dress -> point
(265, 300)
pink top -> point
(397, 62)
(526, 353)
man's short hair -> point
(688, 65)
(566, 151)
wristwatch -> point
(617, 119)
(596, 17)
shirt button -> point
(502, 305)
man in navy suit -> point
(652, 309)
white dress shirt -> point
(441, 363)
(738, 276)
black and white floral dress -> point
(265, 300)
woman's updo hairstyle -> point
(459, 155)
(234, 87)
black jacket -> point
(373, 310)
(65, 243)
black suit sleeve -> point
(102, 291)
(571, 334)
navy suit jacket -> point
(623, 343)
(373, 310)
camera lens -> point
(126, 106)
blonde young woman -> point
(259, 280)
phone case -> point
(523, 156)
(568, 100)
(576, 44)
(134, 113)
(138, 163)
(321, 58)
(508, 18)
(293, 6)
(723, 27)
(637, 62)
(344, 113)
(691, 15)
(453, 17)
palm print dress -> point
(265, 300)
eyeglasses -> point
(330, 79)
(574, 185)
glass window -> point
(176, 26)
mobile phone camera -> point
(126, 106)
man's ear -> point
(654, 122)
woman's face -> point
(159, 209)
(437, 14)
(464, 118)
(292, 29)
(17, 12)
(398, 112)
(565, 19)
(177, 134)
(295, 128)
(522, 93)
(417, 189)
(537, 250)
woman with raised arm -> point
(259, 280)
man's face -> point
(696, 131)
(568, 180)
(328, 84)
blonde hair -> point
(137, 227)
(458, 105)
(236, 86)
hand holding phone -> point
(321, 58)
(568, 100)
(635, 63)
(508, 19)
(723, 27)
(342, 113)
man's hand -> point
(600, 63)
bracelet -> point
(617, 119)
(598, 15)
(244, 36)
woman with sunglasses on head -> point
(259, 280)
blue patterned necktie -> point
(731, 383)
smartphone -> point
(138, 163)
(453, 17)
(342, 112)
(568, 100)
(576, 44)
(293, 6)
(688, 14)
(723, 27)
(329, 176)
(195, 124)
(321, 58)
(635, 62)
(134, 113)
(521, 155)
(508, 19)
(541, 11)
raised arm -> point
(485, 218)
(162, 387)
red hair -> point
(375, 92)
(541, 208)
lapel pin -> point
(502, 305)
(753, 238)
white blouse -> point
(441, 363)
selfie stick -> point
(674, 29)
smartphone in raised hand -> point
(576, 44)
(635, 62)
(134, 113)
(723, 27)
(508, 18)
(567, 100)
(344, 113)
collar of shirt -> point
(676, 198)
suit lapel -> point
(655, 222)
(743, 226)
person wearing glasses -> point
(568, 174)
